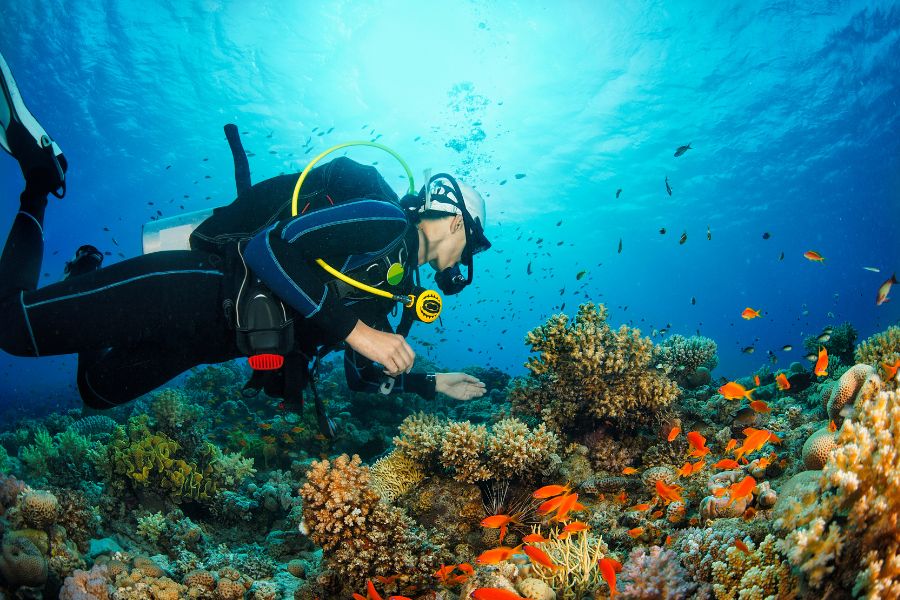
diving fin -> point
(40, 158)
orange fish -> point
(695, 439)
(673, 433)
(891, 370)
(444, 572)
(575, 527)
(821, 363)
(668, 541)
(640, 507)
(387, 580)
(656, 514)
(884, 289)
(749, 513)
(760, 406)
(548, 491)
(622, 498)
(494, 594)
(265, 426)
(754, 442)
(296, 429)
(359, 596)
(735, 391)
(567, 506)
(371, 594)
(496, 521)
(698, 466)
(782, 381)
(740, 545)
(813, 256)
(699, 452)
(669, 493)
(756, 380)
(832, 427)
(608, 572)
(726, 463)
(551, 505)
(742, 489)
(540, 557)
(730, 445)
(534, 538)
(685, 470)
(719, 492)
(629, 471)
(636, 532)
(466, 568)
(496, 555)
(749, 313)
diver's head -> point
(444, 227)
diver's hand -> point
(459, 386)
(388, 349)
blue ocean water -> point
(790, 108)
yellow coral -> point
(852, 534)
(461, 451)
(881, 348)
(585, 368)
(578, 556)
(420, 436)
(394, 475)
(761, 573)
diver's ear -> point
(456, 224)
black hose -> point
(241, 165)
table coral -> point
(846, 535)
(361, 536)
(584, 368)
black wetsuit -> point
(138, 323)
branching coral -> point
(471, 453)
(880, 348)
(681, 356)
(851, 534)
(655, 575)
(587, 369)
(361, 537)
(578, 556)
(759, 573)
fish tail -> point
(748, 395)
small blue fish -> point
(682, 149)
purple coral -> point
(654, 576)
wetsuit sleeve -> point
(283, 257)
(364, 376)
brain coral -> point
(816, 449)
(394, 475)
(846, 389)
(586, 372)
(38, 508)
(21, 563)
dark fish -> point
(683, 238)
(503, 182)
(580, 275)
(106, 229)
(539, 240)
(620, 245)
(693, 300)
(800, 381)
(168, 167)
(662, 231)
(618, 192)
(781, 257)
(417, 138)
(787, 347)
(748, 350)
(668, 187)
(520, 175)
(682, 149)
(558, 223)
(330, 129)
(766, 235)
(528, 270)
(708, 233)
(563, 307)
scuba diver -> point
(279, 277)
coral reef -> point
(584, 368)
(472, 453)
(839, 342)
(394, 475)
(360, 536)
(844, 533)
(880, 348)
(846, 389)
(816, 448)
(578, 556)
(655, 574)
(681, 357)
(762, 572)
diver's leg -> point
(20, 263)
(123, 374)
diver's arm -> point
(282, 257)
(364, 376)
